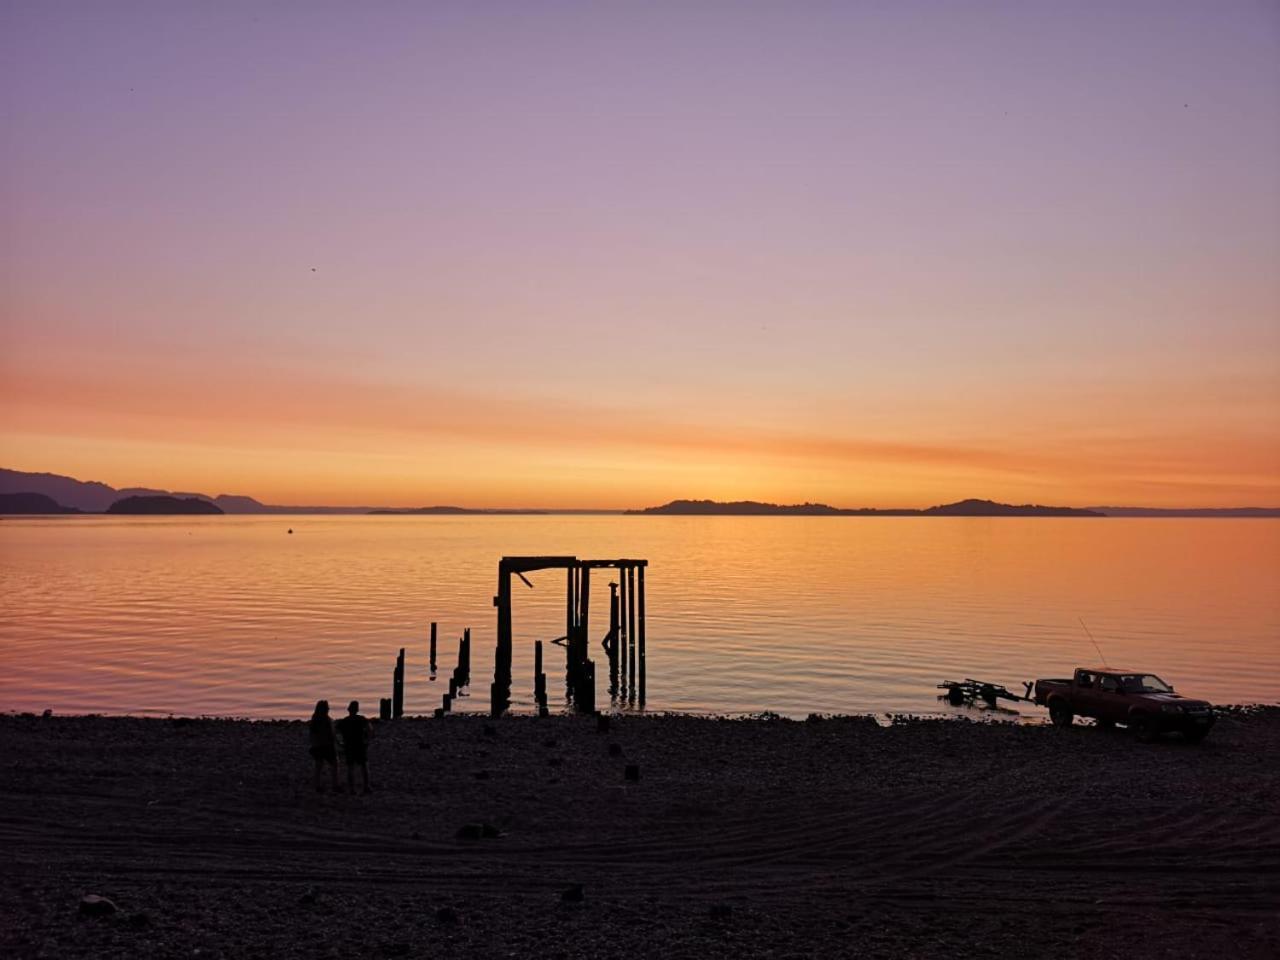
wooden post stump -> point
(397, 688)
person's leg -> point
(333, 770)
(319, 770)
(364, 775)
(351, 777)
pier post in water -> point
(397, 688)
(622, 631)
(641, 637)
(539, 679)
(500, 692)
(611, 642)
(537, 671)
(586, 698)
(432, 661)
(631, 629)
(569, 599)
(581, 649)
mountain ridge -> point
(971, 507)
(92, 496)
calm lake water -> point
(234, 616)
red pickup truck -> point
(1141, 701)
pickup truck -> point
(1141, 701)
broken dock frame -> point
(624, 644)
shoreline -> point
(970, 714)
(741, 838)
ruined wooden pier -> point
(624, 644)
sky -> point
(609, 254)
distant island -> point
(452, 511)
(32, 503)
(164, 506)
(961, 508)
(1241, 513)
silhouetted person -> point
(355, 732)
(324, 747)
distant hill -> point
(989, 508)
(94, 497)
(395, 511)
(88, 496)
(30, 503)
(448, 511)
(91, 497)
(962, 508)
(1254, 513)
(740, 508)
(164, 506)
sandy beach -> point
(742, 838)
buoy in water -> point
(291, 529)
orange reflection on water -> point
(232, 615)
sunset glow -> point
(498, 257)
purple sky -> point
(850, 251)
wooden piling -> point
(500, 692)
(585, 700)
(432, 662)
(581, 648)
(631, 630)
(384, 708)
(539, 678)
(641, 636)
(613, 640)
(397, 687)
(569, 600)
(622, 631)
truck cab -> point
(1136, 698)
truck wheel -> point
(1195, 736)
(1060, 713)
(1144, 728)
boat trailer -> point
(965, 693)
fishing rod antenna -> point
(1094, 642)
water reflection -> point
(232, 615)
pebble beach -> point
(524, 837)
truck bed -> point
(1043, 687)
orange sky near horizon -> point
(303, 440)
(605, 259)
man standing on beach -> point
(354, 731)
